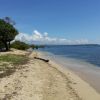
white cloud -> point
(23, 37)
(44, 38)
(37, 35)
(45, 34)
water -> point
(83, 60)
(87, 53)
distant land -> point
(76, 45)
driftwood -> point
(41, 59)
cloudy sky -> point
(54, 21)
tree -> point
(7, 33)
(9, 20)
(1, 45)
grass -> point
(9, 63)
(14, 59)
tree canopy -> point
(7, 32)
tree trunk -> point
(6, 46)
(9, 44)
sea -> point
(88, 53)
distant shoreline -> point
(73, 45)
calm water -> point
(88, 53)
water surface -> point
(88, 53)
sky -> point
(54, 21)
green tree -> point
(1, 45)
(9, 20)
(7, 32)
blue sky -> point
(73, 20)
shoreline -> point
(39, 80)
(83, 83)
(83, 89)
(88, 72)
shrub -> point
(20, 45)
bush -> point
(32, 46)
(36, 46)
(20, 45)
(23, 46)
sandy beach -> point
(40, 80)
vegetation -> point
(37, 46)
(6, 60)
(1, 45)
(20, 45)
(7, 32)
(23, 46)
(13, 59)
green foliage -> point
(1, 45)
(23, 46)
(7, 33)
(9, 63)
(36, 46)
(9, 20)
(14, 59)
(20, 45)
(32, 46)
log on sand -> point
(45, 60)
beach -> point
(40, 80)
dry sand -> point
(38, 80)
